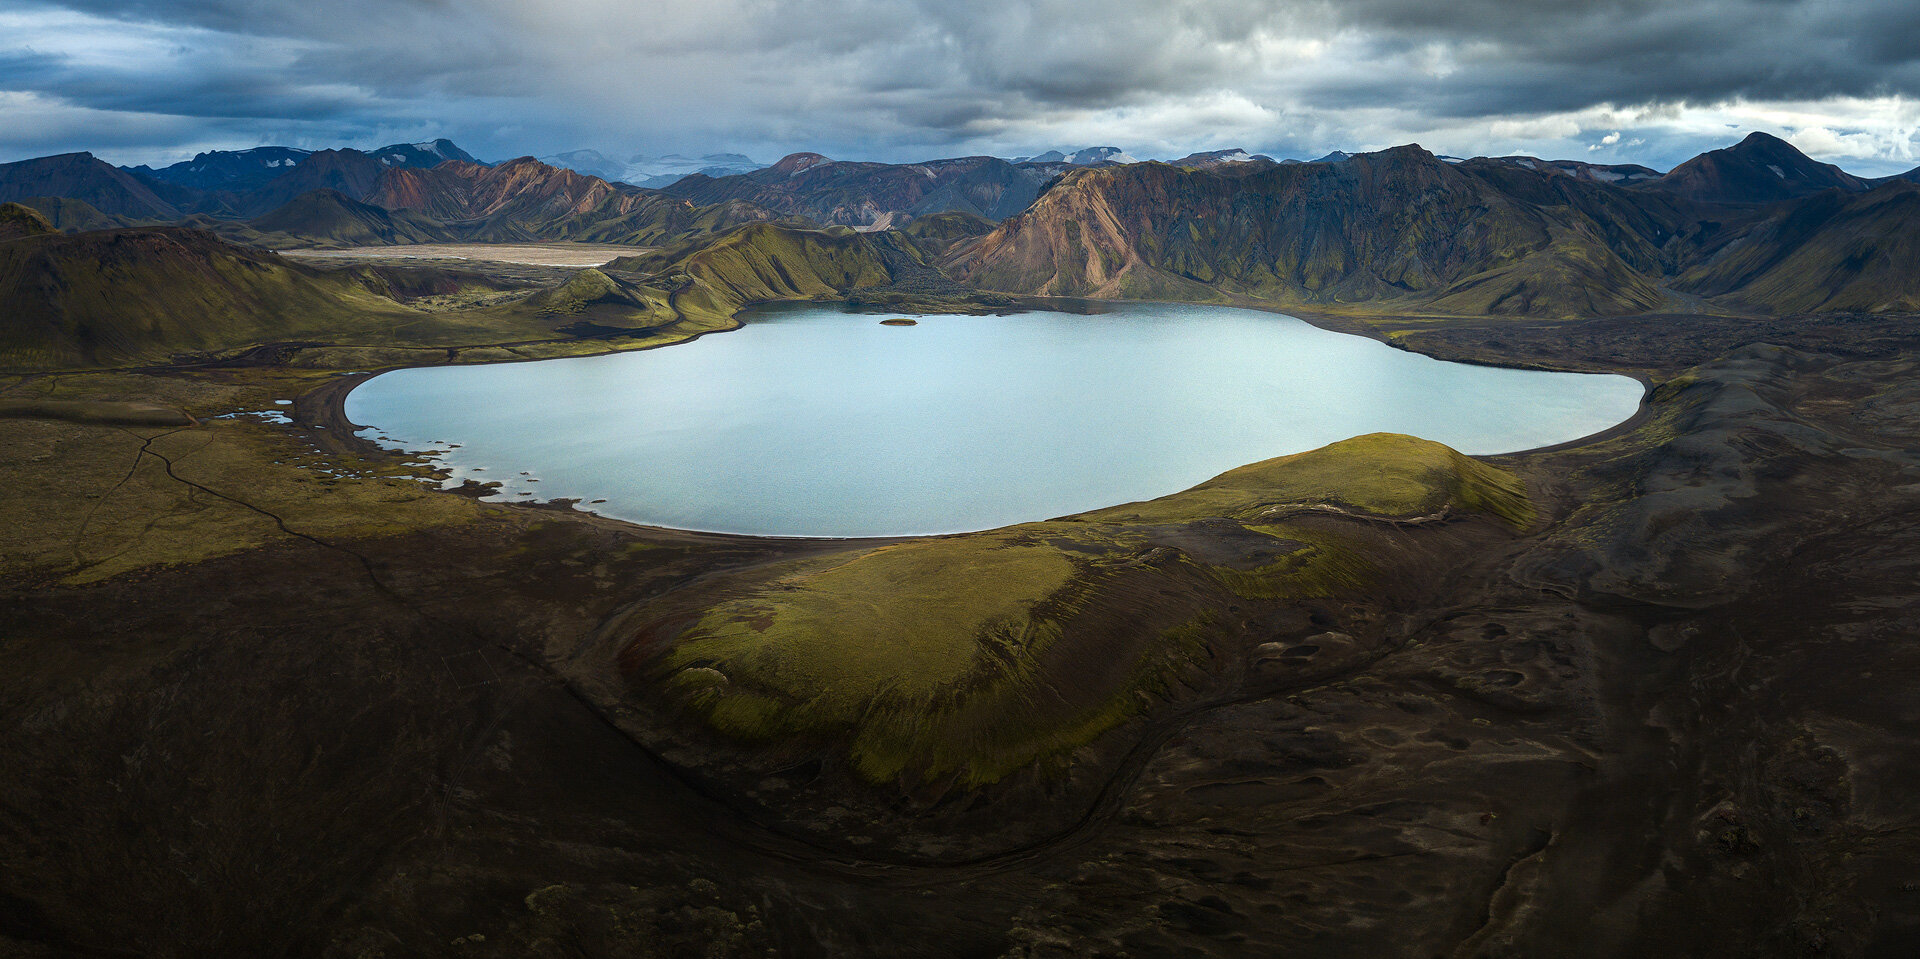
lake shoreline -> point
(1246, 408)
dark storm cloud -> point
(894, 78)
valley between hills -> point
(1647, 693)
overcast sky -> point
(1639, 81)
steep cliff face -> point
(1394, 226)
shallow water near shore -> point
(813, 421)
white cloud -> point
(913, 79)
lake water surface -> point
(811, 421)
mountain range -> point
(1404, 230)
(1756, 226)
(346, 197)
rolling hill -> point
(18, 221)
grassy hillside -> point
(152, 295)
(76, 216)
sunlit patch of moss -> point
(1383, 474)
(908, 620)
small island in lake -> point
(900, 321)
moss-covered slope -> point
(140, 296)
(963, 659)
(17, 221)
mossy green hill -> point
(939, 232)
(965, 658)
(122, 297)
(153, 295)
(17, 221)
(69, 215)
(712, 279)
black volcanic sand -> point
(1677, 717)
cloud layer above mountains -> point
(1608, 80)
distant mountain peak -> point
(428, 153)
(1084, 157)
(1092, 155)
(1234, 157)
(1761, 168)
(794, 163)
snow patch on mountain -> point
(1086, 157)
(651, 171)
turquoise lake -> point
(812, 421)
